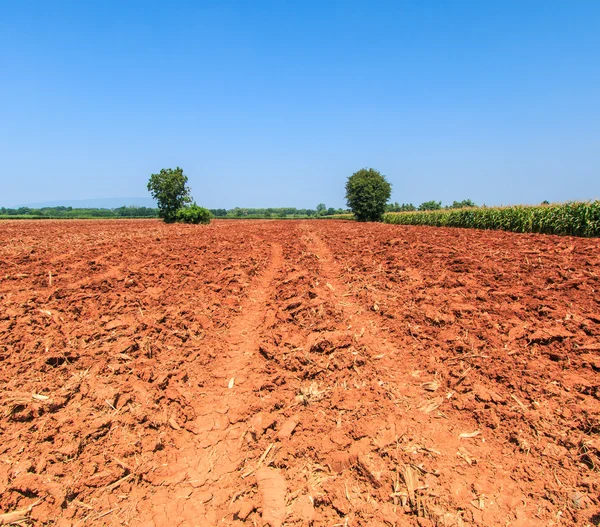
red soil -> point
(297, 373)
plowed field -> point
(297, 373)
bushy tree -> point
(367, 192)
(169, 188)
(193, 214)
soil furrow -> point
(205, 465)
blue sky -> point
(276, 103)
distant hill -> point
(97, 203)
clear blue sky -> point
(276, 103)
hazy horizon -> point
(113, 203)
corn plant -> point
(570, 219)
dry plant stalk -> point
(431, 405)
(469, 435)
(260, 461)
(18, 515)
(431, 386)
(519, 402)
(410, 480)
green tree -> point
(169, 188)
(430, 205)
(367, 192)
(193, 214)
(321, 209)
(396, 207)
(465, 203)
(219, 213)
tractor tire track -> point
(202, 470)
(425, 415)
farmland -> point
(297, 373)
(573, 219)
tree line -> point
(429, 205)
(74, 213)
(149, 212)
(321, 210)
(281, 212)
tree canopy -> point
(169, 189)
(367, 192)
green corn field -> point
(569, 219)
